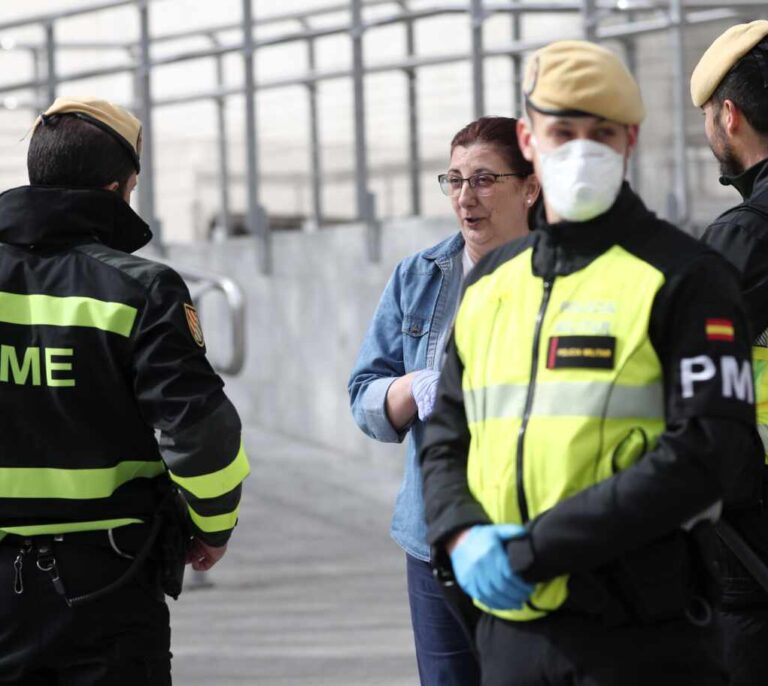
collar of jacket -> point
(447, 248)
(50, 216)
(755, 178)
(566, 247)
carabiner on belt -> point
(46, 562)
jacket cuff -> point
(464, 517)
(373, 405)
(217, 539)
(522, 558)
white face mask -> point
(581, 178)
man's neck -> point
(549, 212)
(752, 151)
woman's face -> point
(494, 215)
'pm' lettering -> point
(736, 376)
(737, 381)
(693, 369)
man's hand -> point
(482, 569)
(203, 556)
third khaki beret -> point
(115, 120)
(579, 77)
(722, 56)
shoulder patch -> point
(193, 321)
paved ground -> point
(312, 590)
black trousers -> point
(577, 650)
(122, 639)
(745, 632)
(744, 615)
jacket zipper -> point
(521, 501)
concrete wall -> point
(306, 322)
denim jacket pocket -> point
(415, 326)
(415, 341)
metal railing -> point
(200, 284)
(620, 20)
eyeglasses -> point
(482, 184)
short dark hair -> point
(501, 132)
(68, 151)
(746, 85)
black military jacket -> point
(98, 350)
(741, 235)
(709, 438)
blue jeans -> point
(442, 650)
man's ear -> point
(111, 186)
(730, 117)
(633, 134)
(524, 134)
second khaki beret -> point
(115, 120)
(722, 56)
(579, 77)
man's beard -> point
(730, 165)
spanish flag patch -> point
(719, 330)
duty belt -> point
(42, 548)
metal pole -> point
(478, 80)
(630, 53)
(365, 202)
(589, 22)
(39, 95)
(50, 54)
(221, 121)
(255, 225)
(518, 100)
(679, 100)
(147, 185)
(314, 142)
(414, 153)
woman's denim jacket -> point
(411, 321)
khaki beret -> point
(577, 77)
(722, 56)
(116, 121)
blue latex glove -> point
(424, 391)
(481, 567)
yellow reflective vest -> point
(760, 365)
(562, 387)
